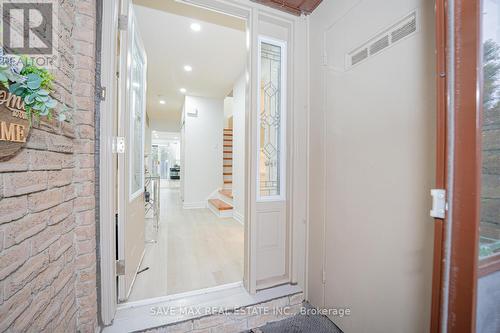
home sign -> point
(14, 124)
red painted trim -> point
(467, 168)
(441, 174)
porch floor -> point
(300, 324)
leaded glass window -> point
(270, 120)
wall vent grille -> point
(359, 56)
(379, 45)
(395, 33)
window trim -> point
(488, 265)
(283, 118)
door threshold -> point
(187, 294)
(174, 309)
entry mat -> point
(300, 323)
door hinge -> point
(118, 145)
(102, 94)
(439, 205)
(120, 267)
(123, 22)
(323, 278)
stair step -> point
(228, 182)
(227, 193)
(219, 204)
(228, 134)
(227, 173)
(228, 158)
(228, 146)
(228, 151)
(228, 129)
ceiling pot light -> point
(183, 90)
(162, 101)
(195, 26)
(188, 68)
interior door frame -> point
(110, 22)
(455, 282)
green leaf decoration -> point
(33, 81)
(42, 98)
(29, 99)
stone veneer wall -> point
(47, 200)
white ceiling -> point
(216, 53)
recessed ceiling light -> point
(188, 68)
(195, 26)
(162, 101)
(183, 90)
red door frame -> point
(464, 193)
(466, 167)
(441, 151)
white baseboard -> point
(194, 205)
(239, 217)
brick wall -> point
(47, 202)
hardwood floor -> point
(194, 249)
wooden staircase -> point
(222, 204)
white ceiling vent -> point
(395, 33)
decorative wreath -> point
(34, 85)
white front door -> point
(132, 106)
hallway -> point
(194, 249)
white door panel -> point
(271, 242)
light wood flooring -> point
(194, 249)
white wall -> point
(239, 147)
(168, 122)
(228, 110)
(202, 149)
(147, 143)
(372, 138)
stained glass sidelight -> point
(270, 120)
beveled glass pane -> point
(270, 120)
